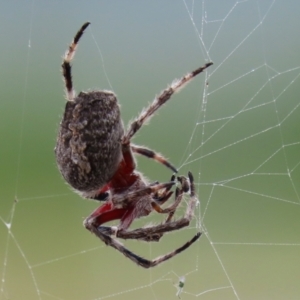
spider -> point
(95, 156)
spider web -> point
(234, 127)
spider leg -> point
(151, 233)
(171, 208)
(145, 233)
(159, 101)
(151, 154)
(110, 211)
(66, 66)
(154, 233)
(145, 263)
(131, 196)
(178, 197)
(162, 197)
(101, 216)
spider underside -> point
(95, 155)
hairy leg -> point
(154, 233)
(151, 154)
(66, 66)
(161, 99)
(145, 263)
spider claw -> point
(196, 237)
(201, 69)
(191, 177)
(80, 32)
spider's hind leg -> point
(66, 66)
(161, 99)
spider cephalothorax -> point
(96, 157)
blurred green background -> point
(241, 141)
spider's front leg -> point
(107, 212)
(127, 215)
(125, 200)
(121, 207)
(104, 232)
(154, 233)
(149, 233)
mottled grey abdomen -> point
(88, 148)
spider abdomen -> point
(88, 148)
